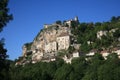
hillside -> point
(71, 39)
(90, 51)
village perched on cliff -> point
(71, 39)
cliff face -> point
(46, 44)
(70, 39)
(49, 41)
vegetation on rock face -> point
(87, 32)
(58, 22)
(81, 68)
(28, 45)
(95, 68)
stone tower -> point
(76, 18)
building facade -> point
(63, 42)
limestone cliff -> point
(70, 39)
(51, 39)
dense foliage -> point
(96, 68)
(83, 67)
(5, 17)
(87, 32)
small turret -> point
(76, 18)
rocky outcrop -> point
(49, 41)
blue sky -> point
(31, 15)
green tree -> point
(79, 68)
(63, 73)
(116, 73)
(4, 19)
(58, 22)
(71, 49)
(107, 71)
(115, 19)
(59, 62)
(85, 47)
(94, 63)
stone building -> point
(63, 41)
(51, 39)
(51, 47)
(101, 33)
(69, 22)
(47, 25)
